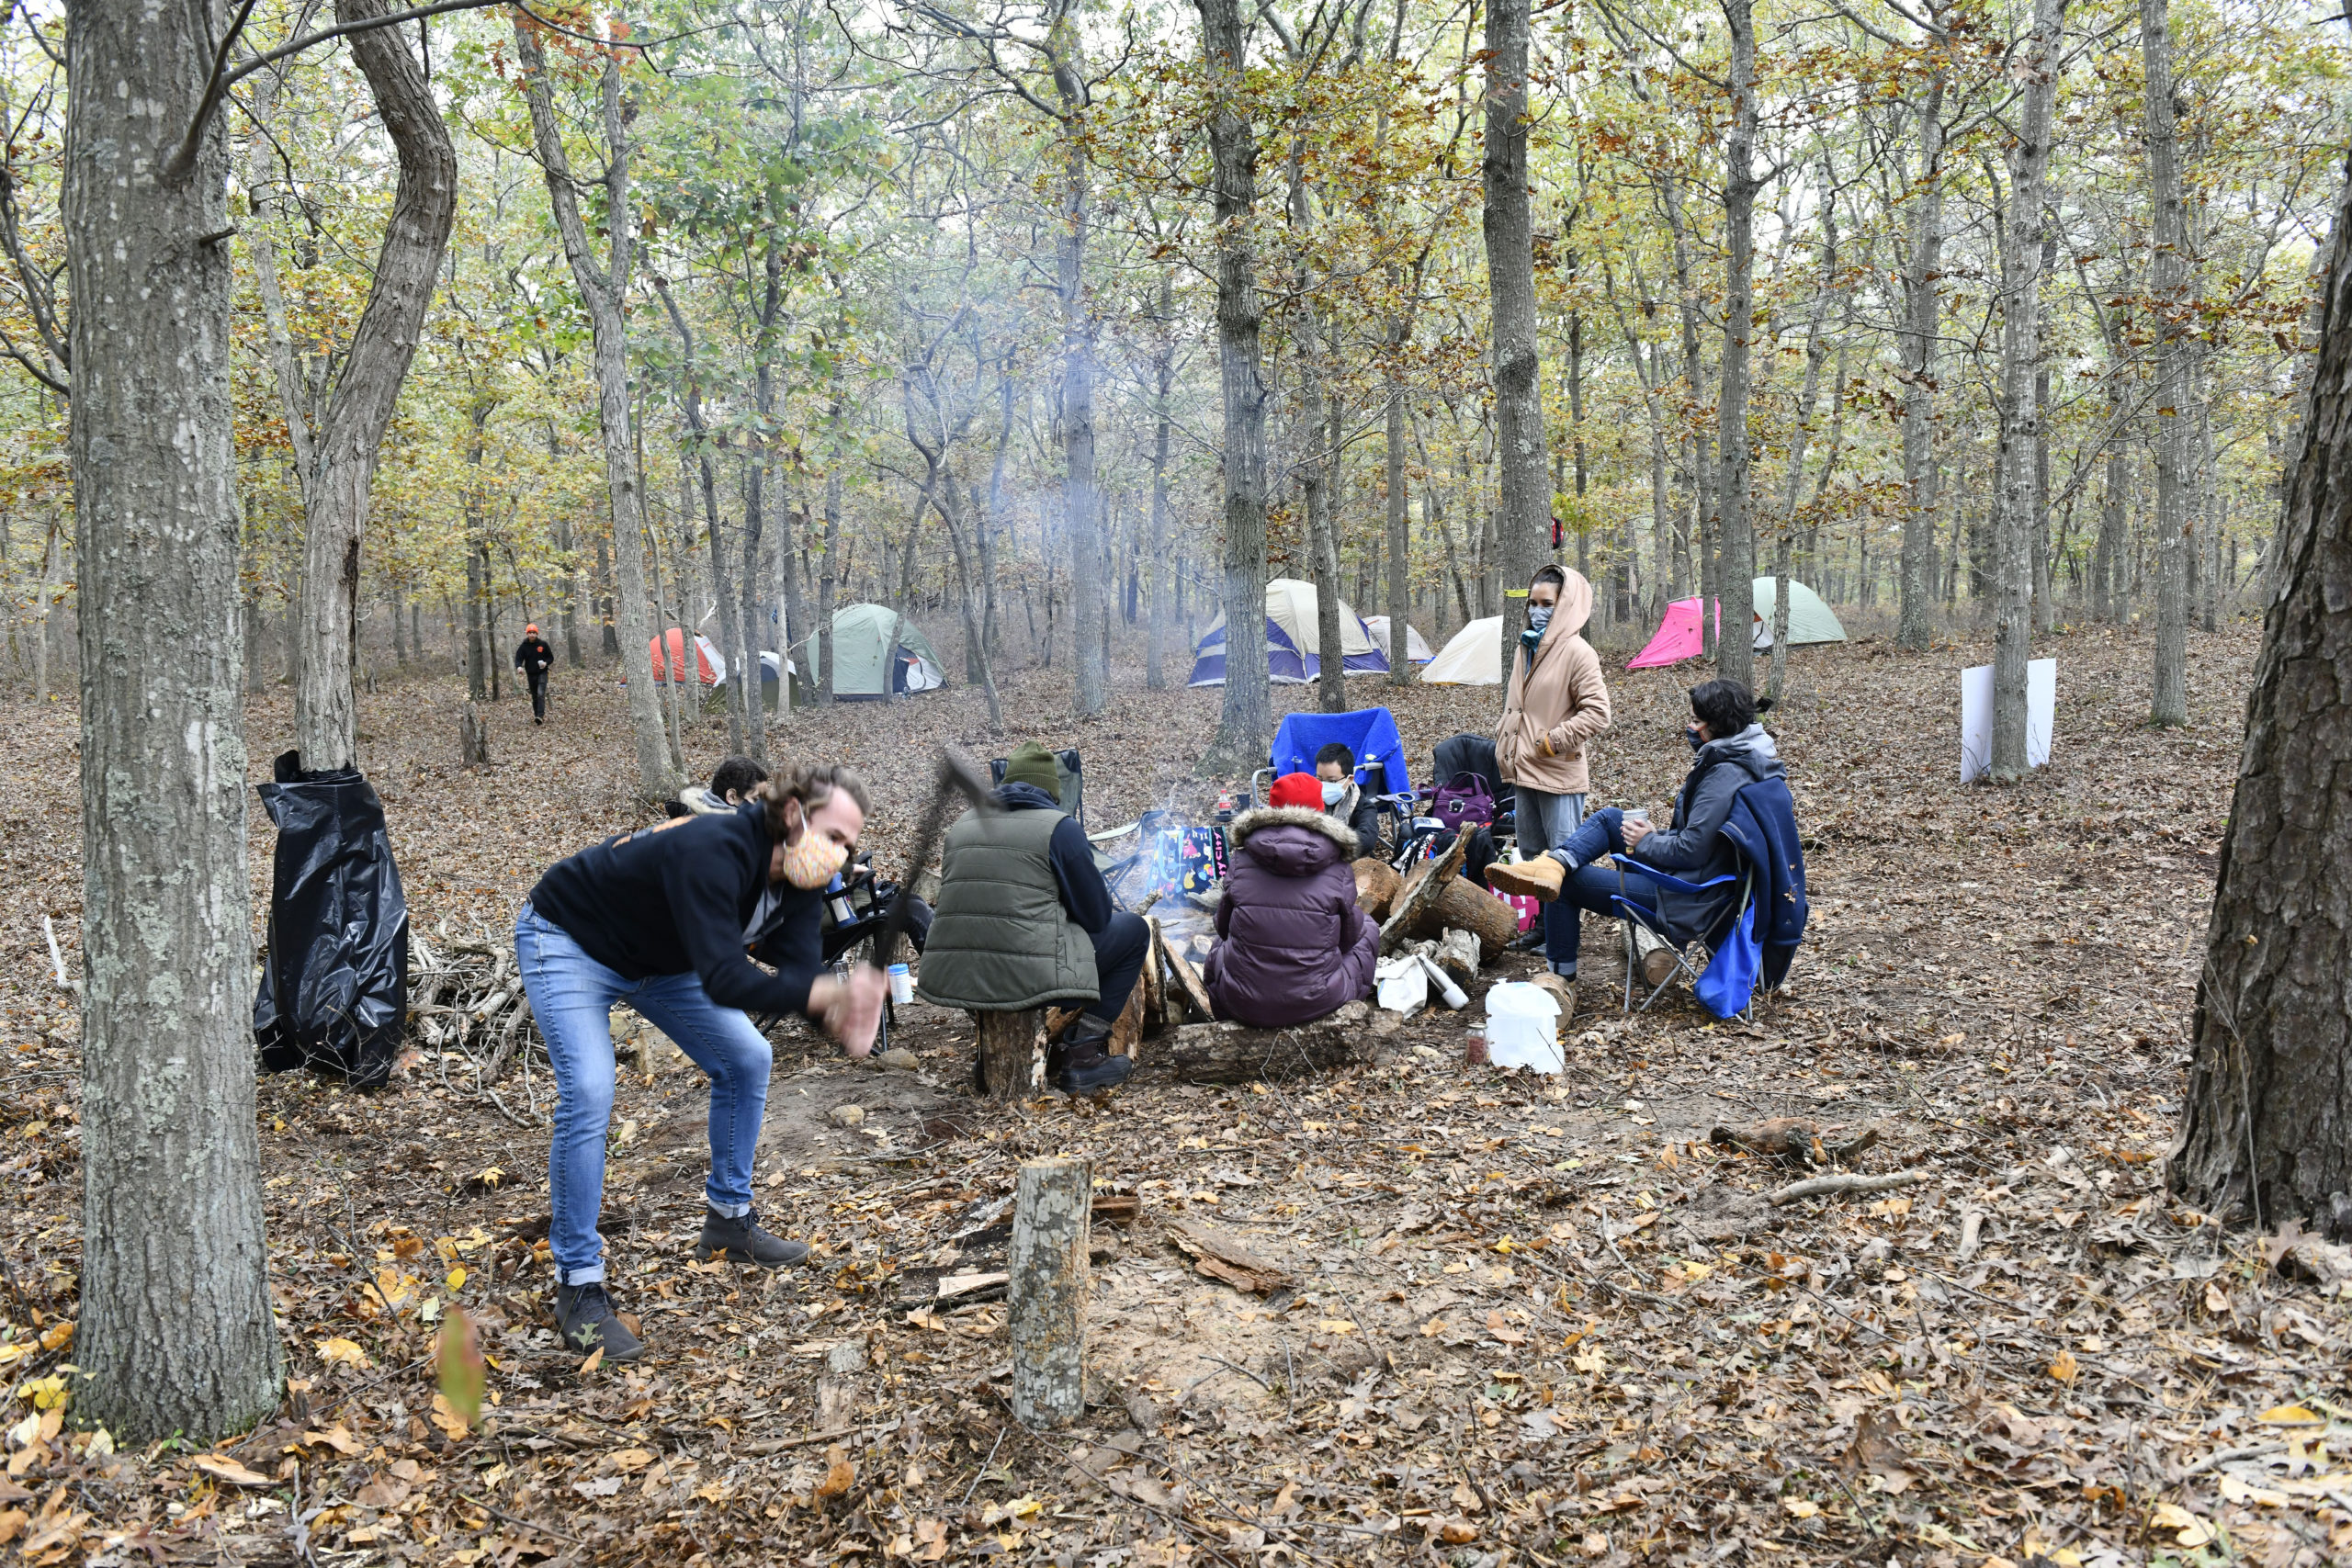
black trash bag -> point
(334, 987)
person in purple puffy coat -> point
(1293, 944)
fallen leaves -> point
(220, 1467)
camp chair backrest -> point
(1370, 733)
(1070, 773)
(1468, 754)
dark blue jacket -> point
(1763, 825)
(679, 897)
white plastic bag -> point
(1403, 985)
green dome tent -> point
(1810, 620)
(881, 654)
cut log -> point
(1461, 905)
(1428, 881)
(1188, 982)
(1007, 1053)
(1377, 885)
(1048, 1289)
(1228, 1053)
(1155, 983)
(1220, 1256)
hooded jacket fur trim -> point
(1335, 829)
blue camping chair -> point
(1370, 733)
(1726, 995)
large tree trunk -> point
(424, 203)
(1736, 529)
(604, 290)
(1247, 719)
(2175, 421)
(1402, 671)
(722, 590)
(829, 577)
(2266, 1132)
(1084, 514)
(1922, 295)
(2015, 492)
(1524, 491)
(176, 1334)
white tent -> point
(1417, 647)
(1475, 656)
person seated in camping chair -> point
(1025, 918)
(1734, 750)
(1341, 797)
(1294, 946)
(731, 785)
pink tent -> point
(1680, 636)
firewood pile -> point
(466, 998)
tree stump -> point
(1232, 1053)
(1008, 1048)
(1047, 1292)
(473, 740)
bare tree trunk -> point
(2175, 420)
(1736, 529)
(2266, 1124)
(1401, 669)
(2036, 64)
(603, 289)
(1816, 350)
(821, 648)
(1163, 365)
(1922, 297)
(722, 591)
(424, 203)
(1696, 380)
(1247, 713)
(975, 646)
(1525, 491)
(176, 1334)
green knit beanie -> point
(1033, 764)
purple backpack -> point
(1463, 802)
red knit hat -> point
(1297, 789)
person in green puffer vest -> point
(1024, 919)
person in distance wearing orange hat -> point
(532, 659)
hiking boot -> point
(584, 1316)
(1539, 878)
(742, 1239)
(1658, 966)
(1086, 1066)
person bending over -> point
(730, 785)
(532, 659)
(668, 920)
(1025, 918)
(1557, 701)
(1294, 946)
(1734, 750)
(1342, 798)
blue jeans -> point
(1591, 887)
(573, 997)
(1547, 822)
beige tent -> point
(1417, 647)
(1475, 656)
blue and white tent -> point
(1293, 651)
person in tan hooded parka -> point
(1556, 703)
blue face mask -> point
(1539, 617)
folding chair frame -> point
(1635, 914)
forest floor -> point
(1529, 1319)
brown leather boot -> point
(1540, 878)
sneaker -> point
(1658, 966)
(1539, 878)
(584, 1316)
(742, 1239)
